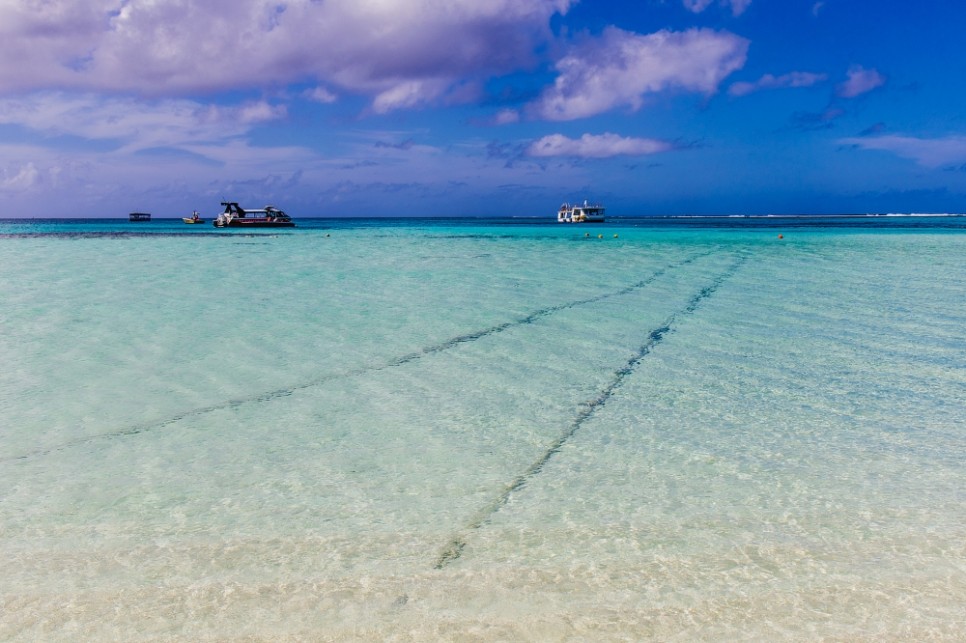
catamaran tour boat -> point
(235, 216)
(576, 213)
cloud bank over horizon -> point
(109, 101)
(927, 152)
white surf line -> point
(453, 550)
(268, 396)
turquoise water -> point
(465, 430)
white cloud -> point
(24, 178)
(768, 81)
(737, 6)
(697, 6)
(320, 95)
(928, 152)
(860, 81)
(240, 155)
(135, 124)
(621, 67)
(408, 94)
(596, 146)
(506, 117)
(393, 50)
(259, 112)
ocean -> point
(675, 429)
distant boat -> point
(575, 213)
(194, 218)
(235, 216)
(139, 216)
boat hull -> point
(190, 220)
(253, 223)
(584, 220)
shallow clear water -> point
(472, 431)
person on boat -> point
(194, 215)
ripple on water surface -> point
(697, 434)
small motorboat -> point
(194, 218)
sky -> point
(481, 107)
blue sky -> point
(475, 107)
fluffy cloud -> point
(793, 79)
(596, 146)
(737, 6)
(860, 81)
(320, 95)
(621, 67)
(393, 50)
(928, 152)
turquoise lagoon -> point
(669, 429)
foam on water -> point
(464, 431)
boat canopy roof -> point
(232, 207)
(582, 206)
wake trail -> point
(453, 550)
(268, 396)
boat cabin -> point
(577, 213)
(236, 216)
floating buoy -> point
(615, 236)
(586, 234)
(781, 236)
(600, 236)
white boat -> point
(235, 216)
(580, 213)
